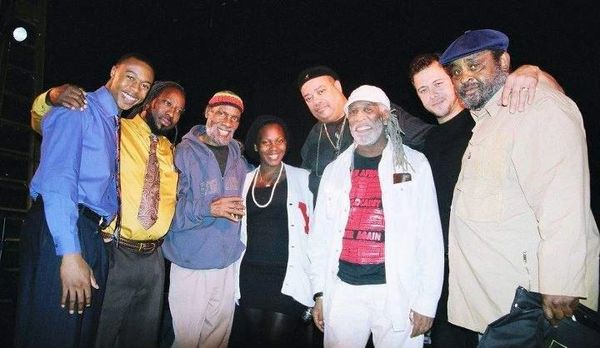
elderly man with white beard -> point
(374, 270)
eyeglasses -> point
(169, 104)
(221, 115)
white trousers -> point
(202, 303)
(359, 310)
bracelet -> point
(317, 295)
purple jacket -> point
(197, 240)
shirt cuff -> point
(38, 110)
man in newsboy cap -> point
(521, 207)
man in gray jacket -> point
(204, 242)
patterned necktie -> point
(148, 212)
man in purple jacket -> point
(204, 242)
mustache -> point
(154, 128)
(469, 85)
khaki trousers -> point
(202, 304)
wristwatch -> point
(317, 295)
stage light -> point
(20, 34)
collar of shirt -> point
(140, 125)
(107, 102)
(490, 108)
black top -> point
(444, 148)
(267, 227)
(317, 152)
(221, 153)
(264, 265)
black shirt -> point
(444, 148)
(221, 153)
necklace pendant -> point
(268, 185)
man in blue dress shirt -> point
(63, 261)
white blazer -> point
(296, 282)
(414, 251)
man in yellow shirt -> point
(133, 300)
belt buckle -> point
(103, 223)
(146, 247)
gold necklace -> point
(336, 147)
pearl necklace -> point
(272, 190)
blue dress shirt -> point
(77, 166)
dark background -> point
(257, 48)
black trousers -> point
(41, 322)
(253, 327)
(444, 334)
(133, 301)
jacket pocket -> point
(478, 200)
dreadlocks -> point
(154, 92)
(156, 89)
(394, 134)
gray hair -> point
(394, 135)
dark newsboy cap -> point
(315, 71)
(473, 41)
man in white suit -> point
(374, 270)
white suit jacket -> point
(295, 283)
(414, 252)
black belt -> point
(138, 247)
(89, 213)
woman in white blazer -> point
(273, 289)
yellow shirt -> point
(134, 150)
(135, 147)
(38, 110)
(521, 211)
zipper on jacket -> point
(527, 269)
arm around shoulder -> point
(39, 108)
(69, 96)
